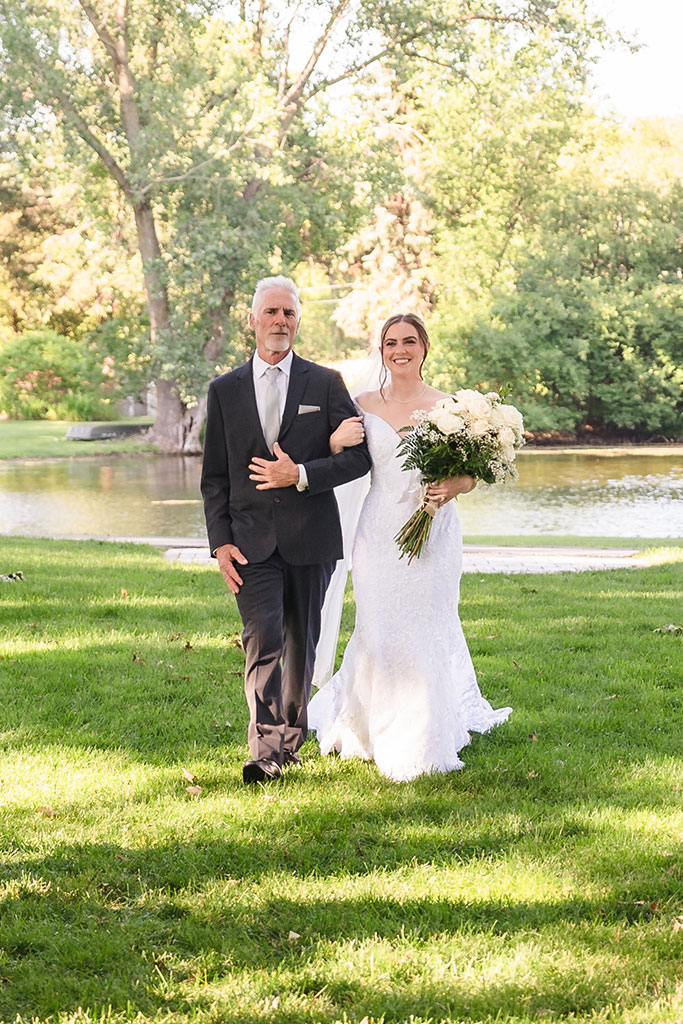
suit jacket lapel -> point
(298, 378)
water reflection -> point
(585, 494)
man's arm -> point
(215, 483)
(320, 474)
(349, 464)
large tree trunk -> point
(176, 427)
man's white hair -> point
(276, 282)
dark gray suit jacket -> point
(304, 526)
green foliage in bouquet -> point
(457, 455)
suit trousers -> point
(280, 605)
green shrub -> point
(44, 375)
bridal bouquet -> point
(469, 433)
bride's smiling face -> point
(403, 351)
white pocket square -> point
(308, 408)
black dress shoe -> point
(291, 758)
(261, 771)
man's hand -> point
(227, 555)
(280, 472)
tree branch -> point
(191, 171)
(258, 32)
(356, 69)
(88, 136)
(294, 93)
(105, 38)
(282, 77)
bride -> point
(406, 695)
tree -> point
(478, 141)
(63, 265)
(208, 124)
(590, 331)
(44, 375)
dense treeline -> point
(161, 157)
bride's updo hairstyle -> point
(398, 318)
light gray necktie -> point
(271, 411)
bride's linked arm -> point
(349, 433)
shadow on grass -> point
(152, 671)
(112, 921)
(593, 731)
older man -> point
(271, 516)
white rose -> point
(511, 417)
(476, 405)
(446, 419)
(497, 418)
(479, 427)
(445, 403)
(465, 395)
(506, 436)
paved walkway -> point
(477, 558)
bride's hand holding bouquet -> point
(467, 434)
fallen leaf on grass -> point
(136, 657)
(516, 663)
(678, 924)
(120, 856)
(268, 798)
(188, 646)
(176, 636)
(188, 775)
(293, 936)
(671, 628)
(47, 812)
(193, 790)
(533, 736)
(235, 640)
(275, 1002)
(124, 593)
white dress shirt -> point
(259, 368)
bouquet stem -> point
(413, 535)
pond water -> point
(610, 492)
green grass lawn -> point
(41, 439)
(542, 883)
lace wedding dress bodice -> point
(406, 695)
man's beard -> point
(278, 342)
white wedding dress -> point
(406, 695)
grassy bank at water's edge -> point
(541, 882)
(46, 439)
